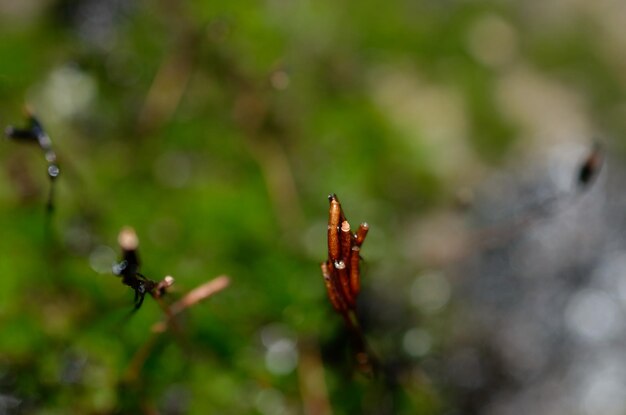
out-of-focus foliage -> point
(216, 130)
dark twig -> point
(583, 178)
(35, 133)
(585, 175)
(128, 269)
(591, 166)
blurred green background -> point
(216, 130)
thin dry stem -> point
(334, 245)
(355, 260)
(313, 388)
(193, 297)
(341, 274)
(333, 295)
(361, 233)
(346, 241)
(200, 293)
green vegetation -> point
(216, 130)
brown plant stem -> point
(311, 380)
(193, 297)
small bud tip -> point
(127, 239)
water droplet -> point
(53, 171)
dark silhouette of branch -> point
(35, 133)
(128, 269)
